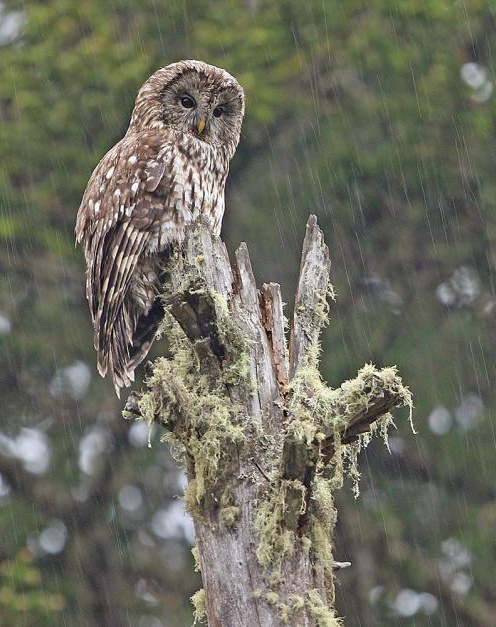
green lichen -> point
(229, 515)
(323, 520)
(228, 510)
(210, 423)
(284, 612)
(287, 610)
(275, 579)
(323, 614)
(306, 544)
(199, 412)
(317, 409)
(297, 601)
(271, 597)
(321, 307)
(275, 541)
(196, 557)
(316, 413)
(237, 365)
(200, 613)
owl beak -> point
(200, 127)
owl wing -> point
(115, 222)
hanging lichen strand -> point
(265, 441)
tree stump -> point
(264, 439)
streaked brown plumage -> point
(170, 168)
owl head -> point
(195, 98)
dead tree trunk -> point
(265, 441)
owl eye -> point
(218, 111)
(187, 102)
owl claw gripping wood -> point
(169, 169)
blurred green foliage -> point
(364, 113)
(21, 596)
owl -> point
(170, 168)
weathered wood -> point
(309, 316)
(310, 306)
(256, 433)
(273, 322)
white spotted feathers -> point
(160, 177)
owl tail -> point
(131, 340)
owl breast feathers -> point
(169, 169)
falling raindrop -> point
(461, 583)
(173, 522)
(407, 603)
(130, 498)
(475, 76)
(91, 447)
(428, 602)
(150, 621)
(470, 410)
(142, 590)
(53, 538)
(5, 324)
(4, 488)
(72, 381)
(440, 420)
(461, 290)
(138, 433)
(32, 447)
(375, 594)
(11, 23)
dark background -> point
(380, 118)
